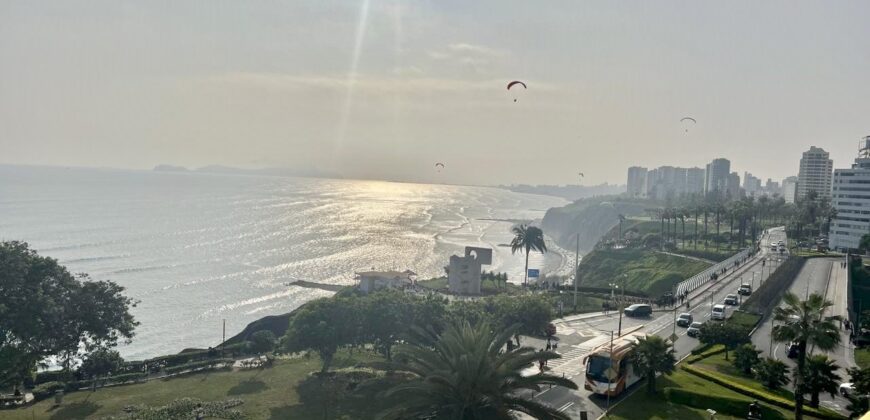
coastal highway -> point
(580, 334)
(827, 277)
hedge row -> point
(772, 289)
(723, 405)
(47, 389)
(202, 364)
(757, 394)
(191, 356)
(709, 351)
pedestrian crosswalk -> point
(571, 362)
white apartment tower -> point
(851, 199)
(815, 173)
(636, 185)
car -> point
(792, 350)
(638, 309)
(744, 289)
(845, 389)
(684, 320)
(719, 312)
(694, 329)
(731, 300)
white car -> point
(846, 389)
(719, 312)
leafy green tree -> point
(531, 312)
(746, 357)
(46, 311)
(385, 315)
(728, 334)
(864, 245)
(803, 322)
(323, 326)
(263, 341)
(859, 402)
(653, 355)
(464, 373)
(772, 373)
(99, 363)
(527, 238)
(821, 376)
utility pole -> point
(673, 296)
(224, 334)
(576, 270)
(621, 302)
(607, 409)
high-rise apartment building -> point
(789, 189)
(694, 180)
(636, 185)
(851, 199)
(815, 173)
(751, 184)
(716, 176)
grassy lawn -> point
(640, 405)
(744, 318)
(267, 394)
(862, 357)
(647, 271)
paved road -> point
(827, 277)
(580, 334)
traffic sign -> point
(611, 374)
(534, 273)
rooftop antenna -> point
(864, 148)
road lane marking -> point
(566, 406)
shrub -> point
(199, 365)
(735, 407)
(772, 373)
(709, 350)
(127, 377)
(49, 376)
(47, 389)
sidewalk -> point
(837, 292)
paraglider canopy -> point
(514, 83)
(687, 121)
(439, 166)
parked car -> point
(745, 289)
(731, 300)
(792, 350)
(638, 309)
(846, 389)
(684, 320)
(719, 312)
(694, 329)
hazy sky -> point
(384, 89)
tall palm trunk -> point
(706, 230)
(730, 229)
(526, 273)
(799, 381)
(683, 222)
(718, 233)
(697, 215)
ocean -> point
(196, 249)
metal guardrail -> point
(705, 276)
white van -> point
(718, 312)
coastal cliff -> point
(592, 218)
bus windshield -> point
(596, 367)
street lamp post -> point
(621, 302)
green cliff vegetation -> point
(641, 270)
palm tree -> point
(653, 355)
(464, 373)
(527, 238)
(802, 322)
(821, 376)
